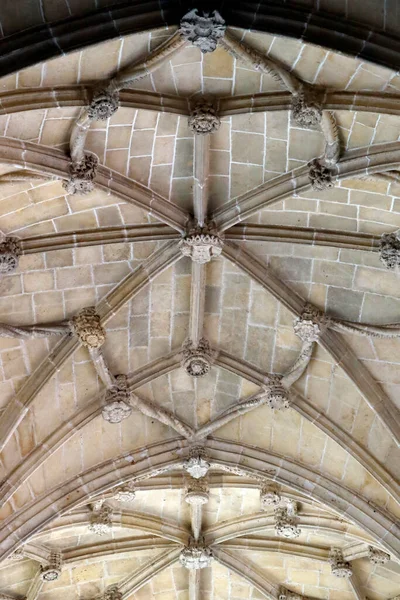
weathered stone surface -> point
(100, 519)
(52, 570)
(117, 407)
(104, 104)
(286, 522)
(306, 109)
(196, 556)
(82, 174)
(320, 176)
(377, 557)
(340, 568)
(269, 495)
(202, 244)
(197, 490)
(126, 493)
(197, 465)
(197, 360)
(311, 323)
(204, 118)
(86, 325)
(390, 249)
(277, 395)
(203, 30)
(10, 251)
(112, 593)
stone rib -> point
(163, 457)
(246, 571)
(165, 529)
(241, 232)
(330, 340)
(69, 428)
(320, 420)
(354, 163)
(303, 235)
(147, 571)
(45, 97)
(107, 308)
(95, 237)
(52, 162)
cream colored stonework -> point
(332, 452)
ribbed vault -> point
(199, 307)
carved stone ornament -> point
(86, 325)
(285, 594)
(377, 557)
(100, 520)
(104, 104)
(319, 175)
(197, 360)
(82, 174)
(269, 495)
(197, 491)
(340, 568)
(196, 556)
(204, 119)
(389, 247)
(52, 570)
(10, 251)
(117, 407)
(126, 493)
(17, 555)
(277, 395)
(203, 30)
(112, 593)
(285, 522)
(311, 323)
(197, 465)
(202, 244)
(306, 109)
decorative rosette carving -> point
(277, 395)
(112, 593)
(52, 570)
(311, 323)
(117, 407)
(203, 30)
(389, 247)
(104, 104)
(306, 108)
(100, 519)
(320, 176)
(197, 491)
(82, 174)
(196, 556)
(202, 244)
(340, 568)
(126, 493)
(377, 557)
(286, 521)
(86, 325)
(269, 495)
(10, 251)
(203, 118)
(197, 464)
(197, 360)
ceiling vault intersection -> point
(196, 418)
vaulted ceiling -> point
(223, 212)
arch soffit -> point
(168, 456)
